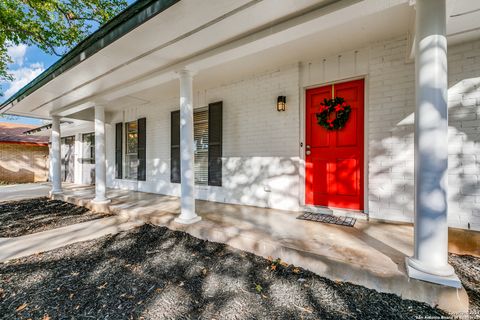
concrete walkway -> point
(11, 248)
(17, 192)
(371, 254)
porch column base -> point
(444, 276)
(187, 220)
(53, 193)
(100, 205)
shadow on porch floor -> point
(370, 254)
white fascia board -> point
(304, 24)
(325, 17)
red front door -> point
(334, 159)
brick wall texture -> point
(263, 159)
(20, 163)
(391, 106)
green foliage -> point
(339, 108)
(55, 26)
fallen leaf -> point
(296, 270)
(273, 267)
(258, 288)
(46, 317)
(304, 309)
(204, 271)
(283, 263)
(21, 307)
(103, 286)
(158, 290)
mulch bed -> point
(155, 273)
(468, 270)
(19, 218)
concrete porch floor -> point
(371, 254)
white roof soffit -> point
(189, 35)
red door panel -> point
(334, 167)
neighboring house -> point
(23, 158)
(218, 101)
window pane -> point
(200, 133)
(131, 148)
(88, 145)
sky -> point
(28, 63)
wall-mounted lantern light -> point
(281, 103)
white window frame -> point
(201, 168)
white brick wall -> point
(390, 103)
(260, 145)
(262, 162)
(464, 135)
(391, 106)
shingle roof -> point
(13, 133)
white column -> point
(187, 214)
(100, 166)
(56, 157)
(430, 260)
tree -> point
(55, 26)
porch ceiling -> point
(255, 33)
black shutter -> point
(118, 150)
(215, 129)
(175, 147)
(141, 149)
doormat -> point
(328, 218)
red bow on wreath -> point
(339, 107)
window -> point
(88, 145)
(68, 158)
(200, 136)
(131, 150)
(208, 132)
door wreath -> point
(335, 105)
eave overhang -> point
(133, 16)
